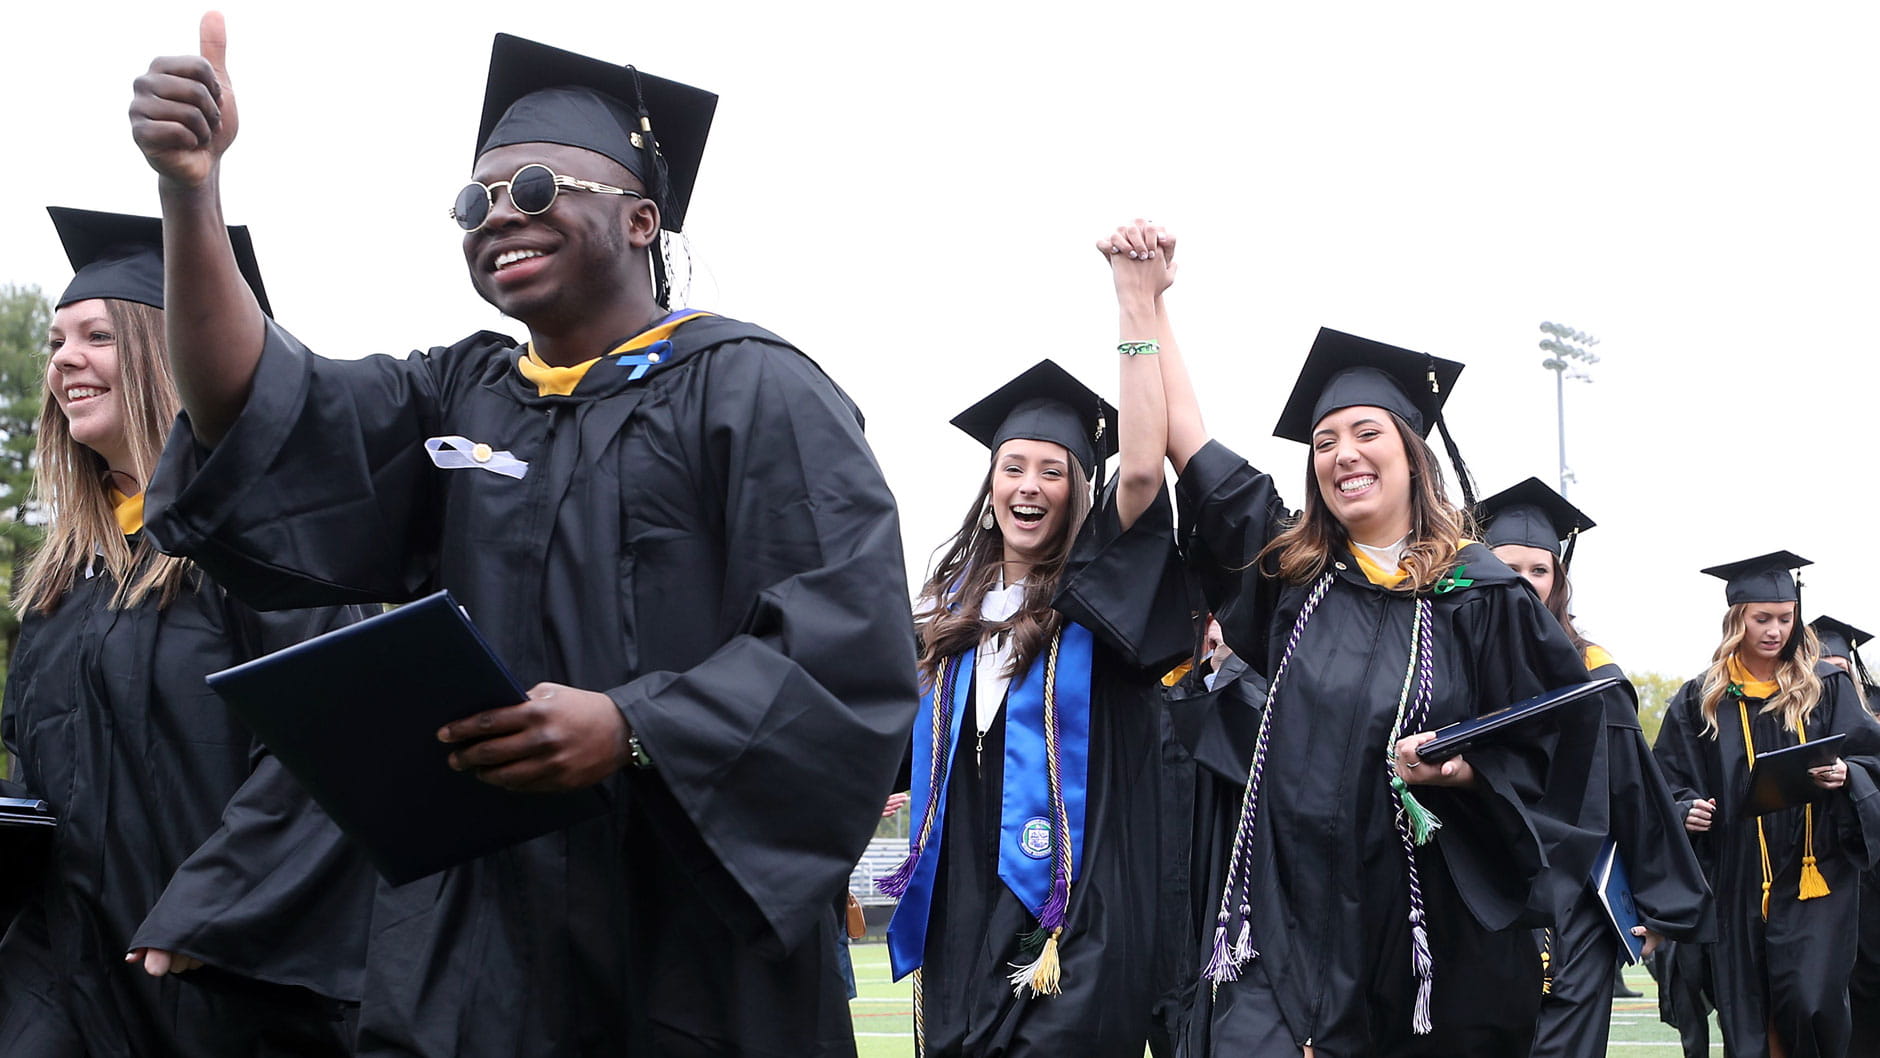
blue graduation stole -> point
(1026, 829)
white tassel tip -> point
(1042, 976)
(1243, 946)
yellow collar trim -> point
(1752, 687)
(1174, 675)
(129, 511)
(551, 381)
(1375, 573)
(1595, 656)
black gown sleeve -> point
(1860, 820)
(321, 494)
(1129, 588)
(1668, 885)
(771, 759)
(1512, 825)
(1681, 758)
(277, 893)
(1229, 511)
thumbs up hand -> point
(183, 109)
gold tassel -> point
(1813, 884)
(1042, 976)
(1765, 908)
(1047, 976)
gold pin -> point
(482, 452)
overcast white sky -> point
(910, 193)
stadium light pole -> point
(1567, 358)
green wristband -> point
(1148, 348)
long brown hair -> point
(969, 566)
(1315, 537)
(1560, 604)
(71, 485)
(1798, 689)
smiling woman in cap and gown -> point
(1368, 894)
(179, 840)
(666, 522)
(1787, 882)
(1027, 900)
(1533, 529)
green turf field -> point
(883, 1014)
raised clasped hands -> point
(1413, 769)
(562, 738)
(183, 109)
(1142, 261)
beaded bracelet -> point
(1148, 348)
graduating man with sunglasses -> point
(667, 522)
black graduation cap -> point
(1765, 578)
(1838, 638)
(1046, 403)
(1533, 515)
(120, 255)
(1344, 370)
(654, 127)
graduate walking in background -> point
(1533, 529)
(1367, 894)
(1787, 882)
(669, 526)
(1840, 647)
(241, 905)
(1028, 898)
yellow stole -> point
(129, 511)
(551, 381)
(1375, 573)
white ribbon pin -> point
(461, 453)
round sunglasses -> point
(532, 190)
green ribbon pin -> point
(1452, 580)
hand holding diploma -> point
(1412, 769)
(562, 738)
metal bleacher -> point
(882, 857)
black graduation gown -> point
(1792, 969)
(712, 545)
(1863, 988)
(1212, 733)
(1126, 588)
(1668, 886)
(176, 831)
(1329, 880)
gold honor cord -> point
(920, 1018)
(1812, 883)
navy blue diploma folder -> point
(1498, 726)
(1779, 778)
(354, 713)
(1615, 895)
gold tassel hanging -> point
(1042, 976)
(1813, 884)
(1046, 977)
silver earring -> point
(987, 521)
